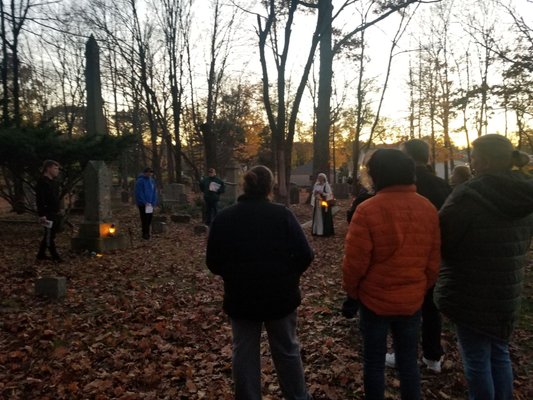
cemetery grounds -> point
(146, 322)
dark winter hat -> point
(148, 169)
(417, 149)
(258, 181)
(48, 163)
(495, 149)
(388, 167)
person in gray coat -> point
(486, 230)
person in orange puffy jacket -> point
(392, 257)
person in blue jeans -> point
(486, 227)
(260, 251)
(391, 259)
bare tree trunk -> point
(321, 142)
(6, 120)
(359, 120)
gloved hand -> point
(349, 307)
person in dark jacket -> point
(486, 227)
(260, 251)
(146, 198)
(212, 187)
(436, 190)
(48, 208)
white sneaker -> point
(390, 360)
(432, 365)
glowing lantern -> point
(112, 230)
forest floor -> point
(146, 323)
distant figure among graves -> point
(146, 198)
(321, 200)
(48, 208)
(212, 187)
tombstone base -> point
(53, 287)
(99, 244)
(159, 227)
(200, 229)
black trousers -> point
(49, 237)
(431, 328)
(146, 221)
(211, 211)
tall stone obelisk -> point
(96, 123)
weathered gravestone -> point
(52, 287)
(200, 229)
(98, 232)
(233, 183)
(294, 194)
(96, 123)
(341, 190)
(180, 218)
(173, 195)
(159, 227)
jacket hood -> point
(509, 194)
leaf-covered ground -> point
(146, 323)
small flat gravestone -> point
(181, 218)
(53, 287)
(159, 227)
(200, 229)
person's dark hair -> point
(520, 159)
(418, 150)
(388, 167)
(148, 169)
(497, 151)
(258, 181)
(47, 164)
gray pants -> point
(285, 354)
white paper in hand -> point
(148, 209)
(213, 186)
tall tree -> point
(323, 121)
(282, 118)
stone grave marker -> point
(52, 287)
(98, 232)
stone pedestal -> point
(99, 244)
(173, 195)
(233, 183)
(294, 194)
(98, 232)
(341, 190)
(52, 287)
(159, 227)
(181, 218)
(200, 229)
